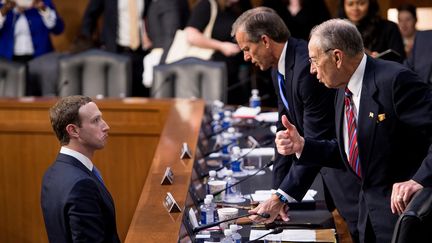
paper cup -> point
(227, 213)
(215, 186)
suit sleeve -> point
(84, 211)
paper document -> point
(296, 235)
(246, 112)
(262, 195)
(267, 117)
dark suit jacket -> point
(394, 126)
(109, 9)
(420, 60)
(76, 205)
(311, 111)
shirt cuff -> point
(2, 20)
(289, 198)
(49, 17)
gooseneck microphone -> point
(272, 232)
(206, 226)
(243, 179)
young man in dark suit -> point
(76, 204)
(420, 60)
(383, 127)
(266, 42)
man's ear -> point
(72, 130)
(265, 40)
(338, 57)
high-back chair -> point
(95, 73)
(191, 77)
(12, 79)
(415, 223)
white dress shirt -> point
(123, 33)
(79, 156)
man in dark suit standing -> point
(266, 42)
(123, 32)
(383, 127)
(76, 205)
(420, 60)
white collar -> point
(79, 156)
(281, 63)
(356, 80)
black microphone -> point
(243, 179)
(206, 226)
(255, 144)
(272, 232)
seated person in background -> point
(76, 205)
(378, 34)
(21, 41)
(407, 20)
(221, 41)
(420, 60)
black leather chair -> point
(415, 223)
(191, 77)
(12, 79)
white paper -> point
(246, 112)
(263, 195)
(267, 151)
(267, 117)
(297, 235)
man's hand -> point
(272, 206)
(39, 4)
(289, 141)
(401, 195)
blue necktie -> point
(96, 172)
(281, 82)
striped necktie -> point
(353, 157)
(281, 81)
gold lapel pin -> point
(381, 117)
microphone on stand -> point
(272, 232)
(206, 226)
(243, 179)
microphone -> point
(243, 179)
(206, 226)
(272, 232)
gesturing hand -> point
(289, 141)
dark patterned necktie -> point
(281, 82)
(353, 157)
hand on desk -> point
(401, 195)
(289, 141)
(272, 206)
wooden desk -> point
(28, 146)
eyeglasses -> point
(314, 60)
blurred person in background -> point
(378, 34)
(123, 31)
(221, 41)
(407, 20)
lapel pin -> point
(381, 117)
(371, 114)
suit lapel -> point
(339, 114)
(104, 191)
(366, 120)
(289, 83)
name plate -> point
(168, 177)
(170, 204)
(185, 153)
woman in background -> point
(378, 34)
(407, 20)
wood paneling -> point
(28, 147)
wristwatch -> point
(282, 198)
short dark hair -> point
(65, 112)
(409, 8)
(261, 21)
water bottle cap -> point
(255, 91)
(212, 173)
(207, 201)
(210, 196)
(216, 117)
(227, 232)
(236, 150)
(233, 228)
(229, 172)
(231, 130)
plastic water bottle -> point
(255, 100)
(214, 206)
(235, 235)
(237, 162)
(232, 194)
(212, 177)
(228, 238)
(207, 212)
(216, 124)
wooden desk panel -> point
(151, 222)
(28, 146)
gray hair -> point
(261, 21)
(338, 34)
